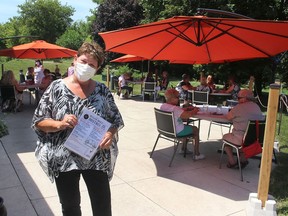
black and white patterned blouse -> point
(57, 101)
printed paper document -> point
(87, 134)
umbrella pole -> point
(262, 203)
(2, 67)
(108, 77)
(142, 69)
(148, 66)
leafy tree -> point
(162, 9)
(74, 36)
(98, 1)
(115, 14)
(14, 32)
(47, 19)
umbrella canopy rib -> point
(253, 29)
(182, 36)
(239, 39)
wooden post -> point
(2, 68)
(108, 76)
(268, 145)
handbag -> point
(255, 148)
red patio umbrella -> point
(128, 58)
(131, 58)
(201, 39)
(38, 49)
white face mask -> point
(84, 72)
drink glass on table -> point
(205, 108)
(219, 109)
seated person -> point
(122, 84)
(164, 81)
(240, 115)
(70, 70)
(46, 81)
(233, 88)
(30, 75)
(149, 77)
(183, 86)
(8, 79)
(21, 77)
(210, 82)
(251, 83)
(57, 73)
(203, 85)
(172, 100)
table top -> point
(220, 94)
(216, 93)
(210, 109)
(30, 85)
(212, 117)
(134, 82)
(212, 113)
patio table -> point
(132, 83)
(211, 113)
(212, 117)
(28, 87)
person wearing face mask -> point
(38, 76)
(54, 118)
(38, 72)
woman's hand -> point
(108, 137)
(69, 121)
(106, 141)
(51, 125)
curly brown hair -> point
(92, 49)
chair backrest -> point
(149, 86)
(165, 122)
(250, 133)
(200, 97)
(7, 92)
(116, 82)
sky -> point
(8, 8)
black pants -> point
(128, 88)
(98, 188)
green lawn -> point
(279, 176)
(18, 64)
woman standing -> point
(55, 117)
(38, 72)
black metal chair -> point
(249, 137)
(149, 87)
(221, 124)
(200, 97)
(166, 128)
(8, 93)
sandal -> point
(232, 166)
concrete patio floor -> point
(141, 186)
